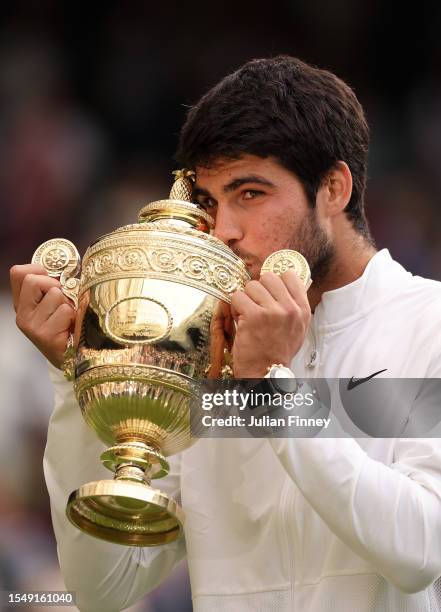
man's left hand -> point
(272, 317)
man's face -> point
(260, 207)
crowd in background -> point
(90, 107)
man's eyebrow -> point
(233, 185)
(252, 178)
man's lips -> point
(245, 258)
(251, 265)
(253, 269)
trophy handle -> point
(60, 259)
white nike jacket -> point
(308, 525)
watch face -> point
(281, 372)
(283, 380)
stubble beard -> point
(311, 241)
(315, 246)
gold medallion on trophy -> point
(286, 259)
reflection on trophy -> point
(146, 299)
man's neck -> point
(348, 263)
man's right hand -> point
(44, 314)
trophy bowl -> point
(147, 297)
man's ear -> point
(336, 189)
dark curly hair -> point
(306, 118)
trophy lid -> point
(179, 207)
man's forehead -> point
(224, 170)
(219, 167)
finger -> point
(296, 288)
(17, 275)
(259, 294)
(48, 305)
(227, 319)
(61, 320)
(33, 289)
(242, 304)
(222, 320)
(277, 288)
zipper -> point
(290, 540)
(313, 353)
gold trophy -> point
(146, 300)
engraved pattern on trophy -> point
(138, 320)
(60, 258)
(183, 261)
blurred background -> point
(91, 101)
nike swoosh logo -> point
(354, 382)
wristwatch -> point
(281, 379)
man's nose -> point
(226, 226)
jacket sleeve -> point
(105, 577)
(390, 515)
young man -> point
(280, 153)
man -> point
(280, 153)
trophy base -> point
(126, 513)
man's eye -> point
(250, 194)
(206, 202)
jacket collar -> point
(381, 279)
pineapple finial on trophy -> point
(182, 188)
(179, 209)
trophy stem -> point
(135, 460)
(127, 471)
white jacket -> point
(311, 525)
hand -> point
(272, 317)
(221, 338)
(44, 314)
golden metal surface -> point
(150, 252)
(147, 300)
(126, 513)
(60, 258)
(68, 365)
(184, 211)
(286, 259)
(57, 256)
(152, 462)
(138, 319)
(182, 188)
